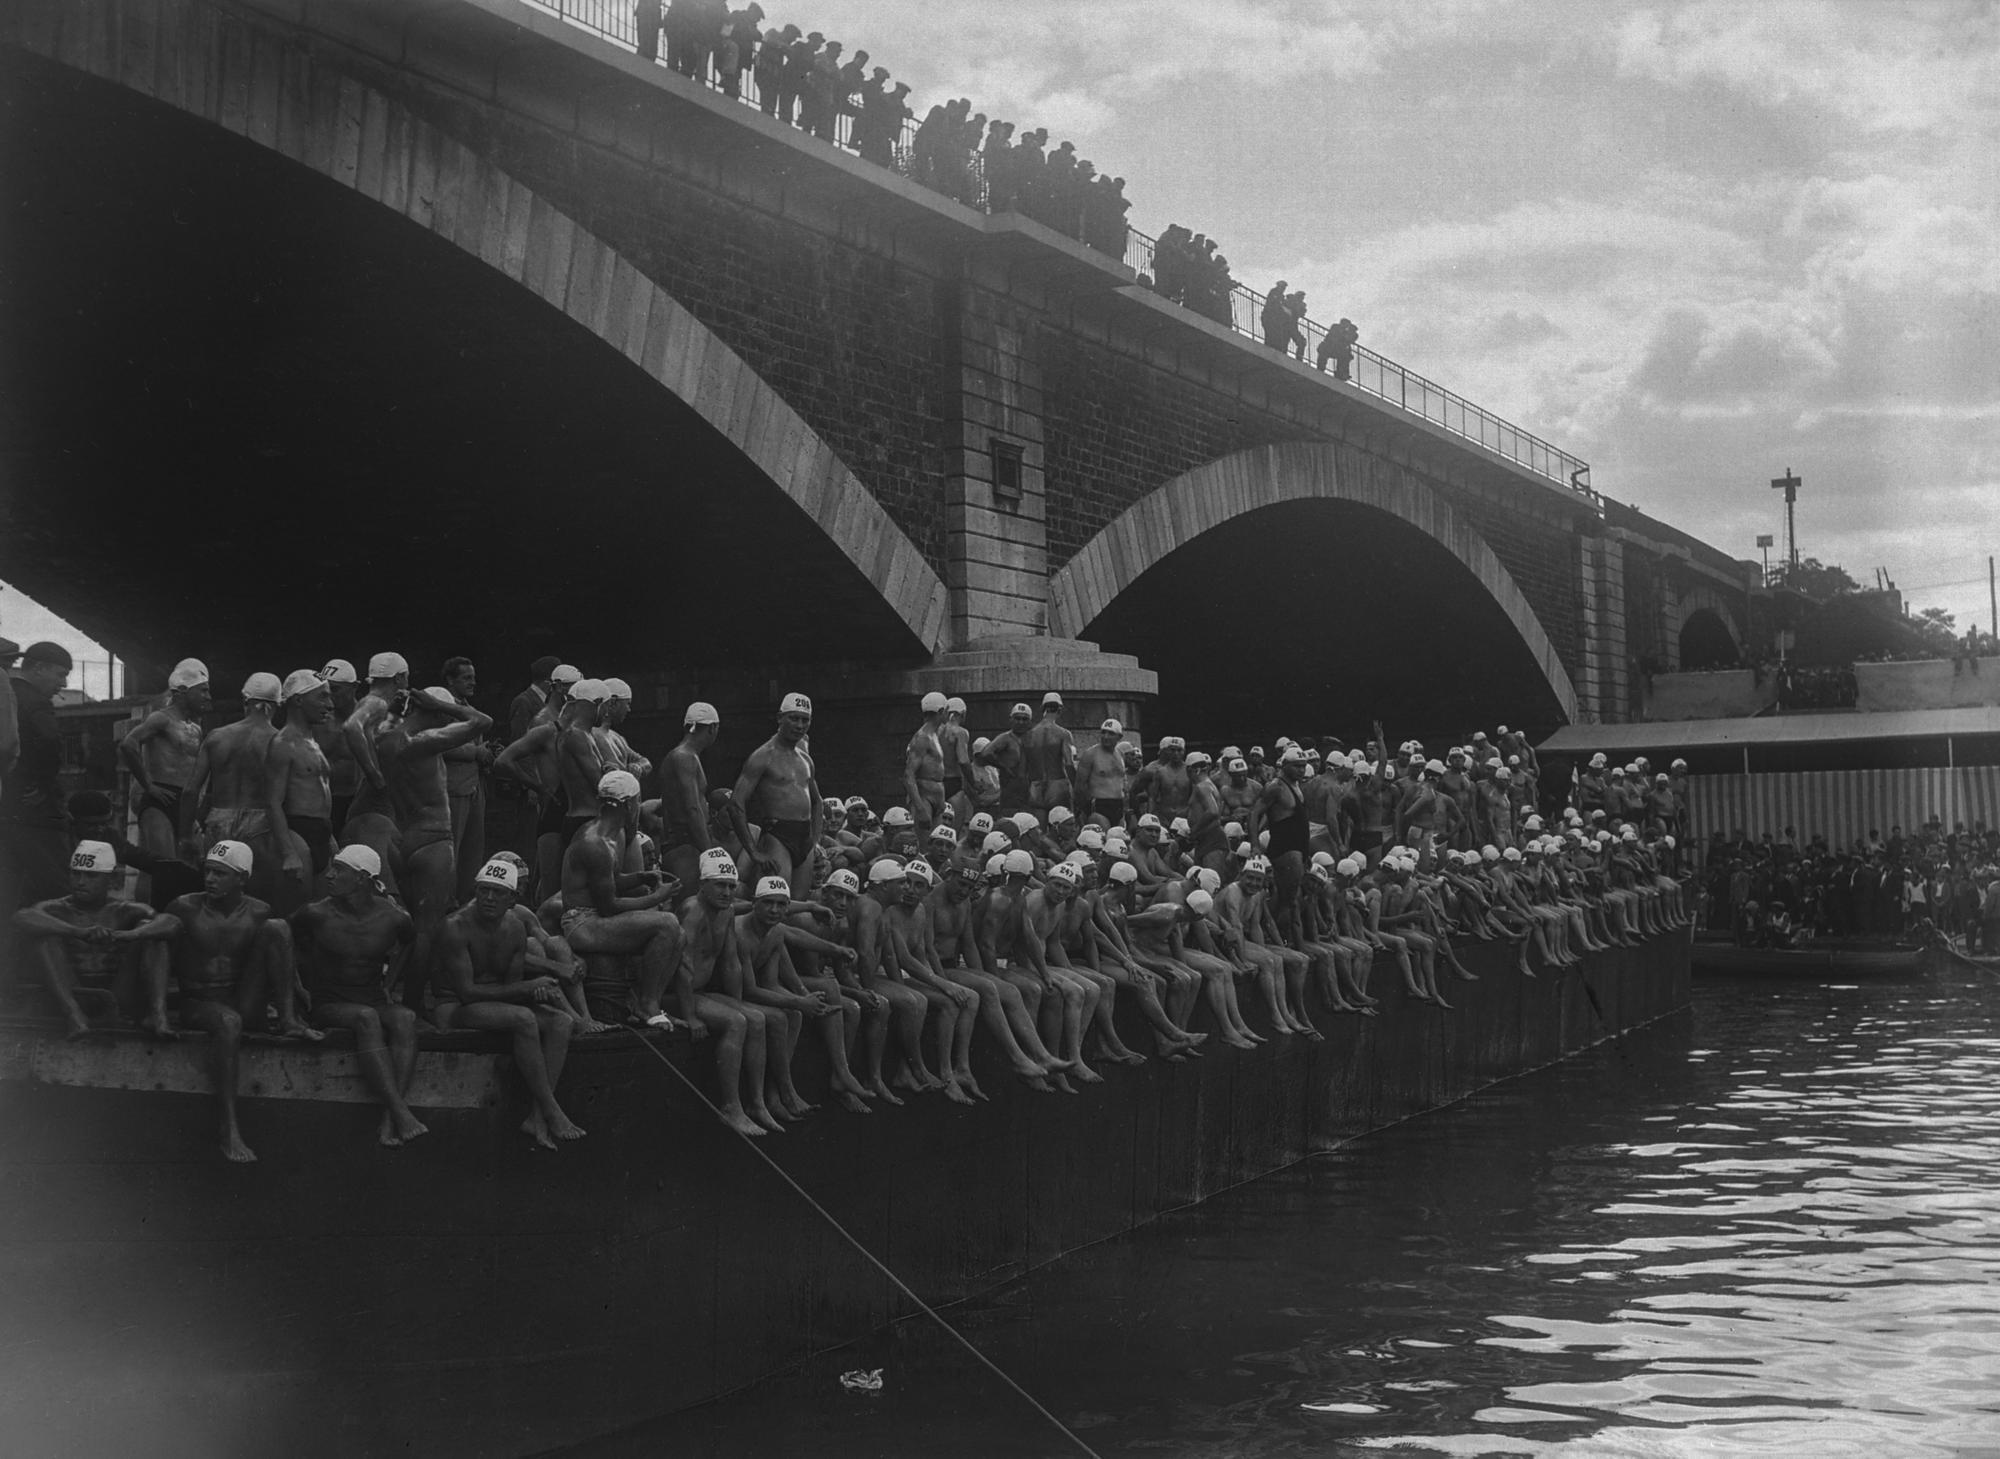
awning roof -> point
(1774, 729)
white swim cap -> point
(1180, 827)
(1090, 838)
(795, 703)
(1052, 698)
(934, 703)
(387, 666)
(440, 694)
(97, 856)
(187, 674)
(888, 869)
(1018, 863)
(919, 870)
(1292, 755)
(1263, 840)
(1124, 871)
(1238, 765)
(897, 816)
(1200, 902)
(498, 873)
(1061, 815)
(1258, 866)
(301, 681)
(699, 713)
(773, 886)
(356, 857)
(1668, 842)
(1078, 858)
(1111, 727)
(980, 824)
(620, 785)
(263, 688)
(1512, 853)
(1066, 873)
(944, 835)
(1024, 823)
(339, 671)
(589, 691)
(565, 674)
(617, 689)
(954, 705)
(844, 881)
(1209, 880)
(995, 841)
(717, 865)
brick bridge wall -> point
(1116, 428)
(852, 340)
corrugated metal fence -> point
(1843, 804)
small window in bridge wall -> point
(1007, 487)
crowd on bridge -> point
(319, 863)
(806, 80)
(1780, 891)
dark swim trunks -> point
(1290, 834)
(1113, 810)
(166, 799)
(318, 836)
(794, 836)
(953, 784)
(550, 822)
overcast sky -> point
(1695, 245)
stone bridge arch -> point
(1701, 598)
(289, 100)
(1181, 511)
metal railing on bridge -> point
(960, 174)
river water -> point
(1766, 1226)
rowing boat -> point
(1824, 957)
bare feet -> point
(297, 1030)
(742, 1123)
(155, 1024)
(564, 1128)
(537, 1129)
(1087, 1074)
(876, 1089)
(1236, 1042)
(763, 1116)
(854, 1103)
(955, 1092)
(234, 1149)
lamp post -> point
(1789, 485)
(1764, 541)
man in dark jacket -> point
(34, 831)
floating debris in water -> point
(1340, 1408)
(862, 1380)
(1417, 1342)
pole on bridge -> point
(1790, 484)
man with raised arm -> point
(778, 792)
(924, 765)
(352, 944)
(343, 774)
(160, 754)
(409, 748)
(465, 782)
(482, 955)
(610, 914)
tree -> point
(1937, 629)
(1815, 579)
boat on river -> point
(1829, 959)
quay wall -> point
(469, 1295)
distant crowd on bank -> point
(1780, 891)
(320, 863)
